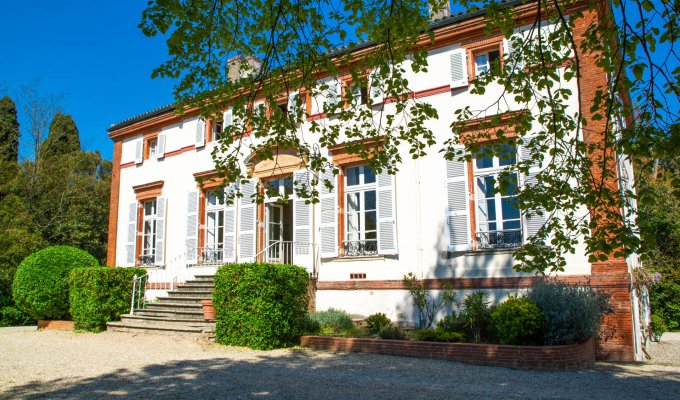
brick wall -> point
(113, 208)
(550, 358)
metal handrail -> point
(499, 239)
(138, 287)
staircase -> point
(180, 313)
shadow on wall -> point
(305, 374)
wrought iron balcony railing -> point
(354, 248)
(499, 239)
(147, 260)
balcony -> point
(359, 248)
(499, 240)
(147, 260)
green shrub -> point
(310, 326)
(451, 323)
(99, 295)
(375, 322)
(665, 299)
(393, 332)
(428, 305)
(659, 327)
(12, 316)
(571, 313)
(431, 335)
(41, 285)
(259, 305)
(336, 320)
(518, 321)
(475, 316)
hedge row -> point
(99, 295)
(261, 306)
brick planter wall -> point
(548, 358)
(55, 325)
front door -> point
(274, 233)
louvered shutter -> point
(131, 235)
(247, 222)
(200, 133)
(328, 228)
(302, 222)
(532, 220)
(230, 229)
(192, 227)
(333, 92)
(139, 151)
(458, 207)
(161, 213)
(459, 76)
(160, 146)
(510, 47)
(228, 119)
(387, 227)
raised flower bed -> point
(548, 358)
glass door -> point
(274, 232)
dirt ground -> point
(120, 365)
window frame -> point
(362, 247)
(503, 236)
(150, 251)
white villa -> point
(435, 218)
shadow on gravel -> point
(306, 375)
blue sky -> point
(91, 52)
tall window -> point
(498, 217)
(214, 230)
(148, 256)
(361, 233)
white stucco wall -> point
(420, 203)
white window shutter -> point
(192, 227)
(376, 88)
(511, 48)
(333, 92)
(458, 206)
(200, 133)
(293, 106)
(532, 219)
(387, 226)
(228, 118)
(459, 76)
(139, 151)
(161, 213)
(230, 230)
(302, 222)
(131, 236)
(247, 222)
(328, 227)
(160, 146)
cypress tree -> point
(63, 137)
(9, 143)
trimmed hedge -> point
(41, 286)
(518, 320)
(259, 305)
(99, 295)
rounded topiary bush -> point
(518, 321)
(41, 284)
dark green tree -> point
(63, 137)
(9, 143)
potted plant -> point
(208, 310)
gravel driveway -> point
(117, 365)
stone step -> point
(178, 314)
(195, 284)
(168, 306)
(187, 299)
(142, 327)
(167, 321)
(206, 294)
(193, 289)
